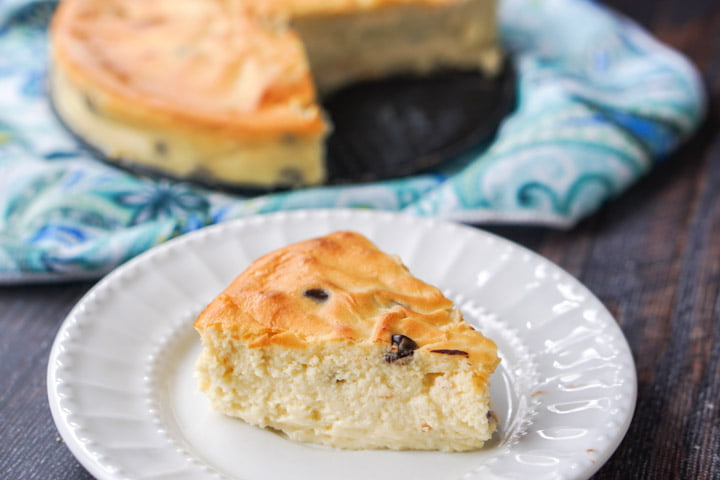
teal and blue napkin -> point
(600, 102)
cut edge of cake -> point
(396, 38)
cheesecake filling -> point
(287, 160)
(399, 39)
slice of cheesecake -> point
(332, 341)
(224, 91)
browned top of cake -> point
(197, 62)
(342, 287)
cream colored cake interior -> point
(346, 395)
(286, 161)
(405, 37)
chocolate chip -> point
(90, 104)
(317, 294)
(402, 347)
(203, 174)
(450, 352)
(289, 139)
(404, 343)
(161, 147)
(290, 177)
(492, 417)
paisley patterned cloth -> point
(600, 102)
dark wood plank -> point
(666, 298)
(31, 447)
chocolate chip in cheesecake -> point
(492, 417)
(203, 174)
(90, 104)
(290, 177)
(450, 352)
(317, 294)
(161, 148)
(402, 347)
(290, 139)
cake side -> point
(346, 395)
(184, 151)
(372, 40)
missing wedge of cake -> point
(332, 341)
(225, 91)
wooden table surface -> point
(652, 256)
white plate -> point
(123, 397)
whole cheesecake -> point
(226, 91)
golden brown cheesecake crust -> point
(192, 64)
(342, 287)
